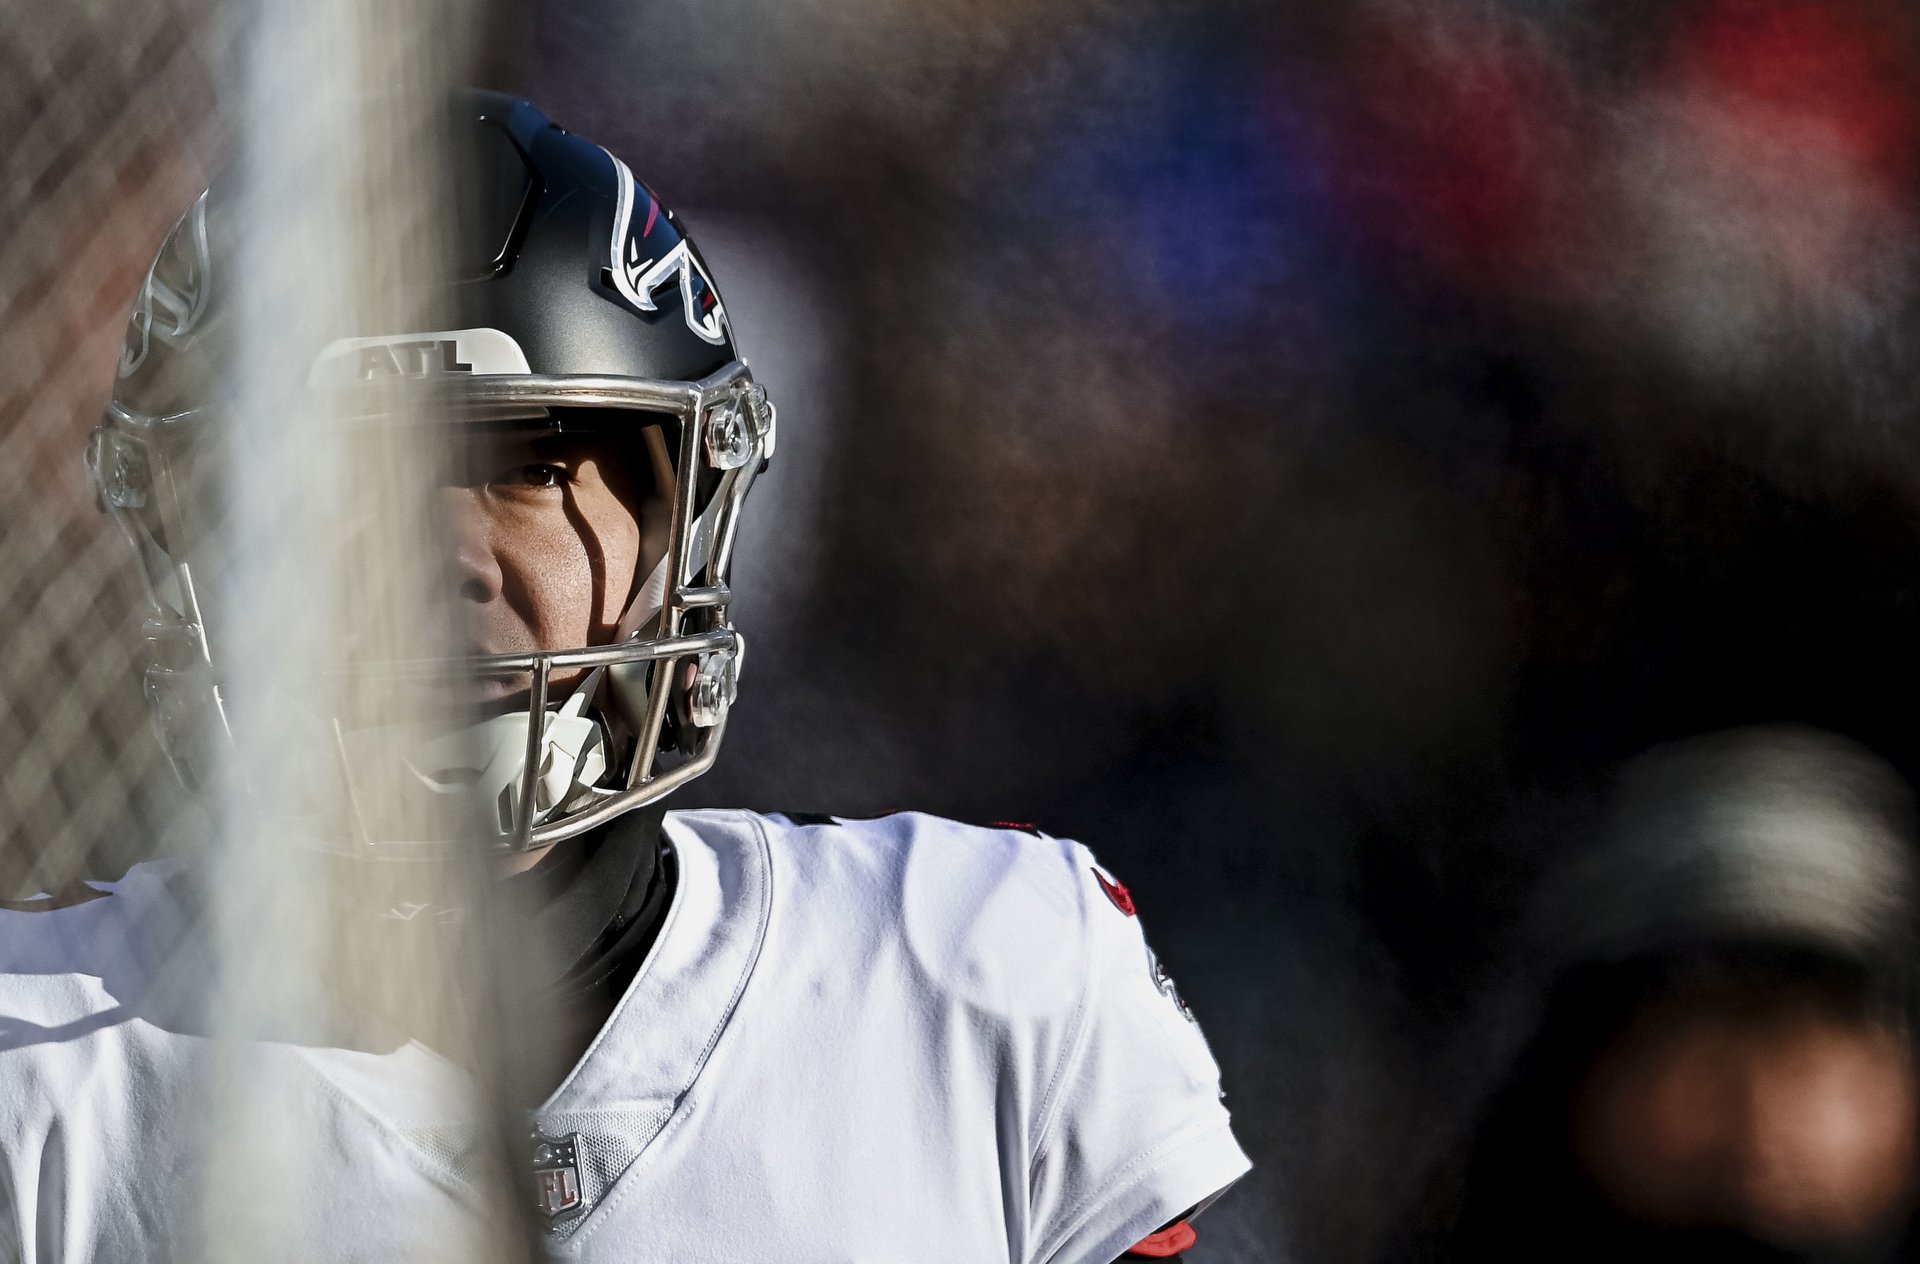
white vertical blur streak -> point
(342, 174)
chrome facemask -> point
(648, 715)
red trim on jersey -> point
(1164, 1245)
(1121, 897)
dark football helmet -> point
(580, 304)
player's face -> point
(545, 537)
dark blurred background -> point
(1298, 449)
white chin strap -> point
(653, 594)
(485, 761)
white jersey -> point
(890, 1040)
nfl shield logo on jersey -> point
(556, 1173)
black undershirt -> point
(596, 903)
(590, 911)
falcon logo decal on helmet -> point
(637, 274)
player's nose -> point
(472, 568)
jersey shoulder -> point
(991, 917)
(91, 946)
(82, 974)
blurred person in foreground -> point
(1725, 1068)
(759, 1037)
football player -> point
(780, 1037)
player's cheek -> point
(621, 547)
(564, 580)
(541, 561)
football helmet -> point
(580, 304)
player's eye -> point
(533, 474)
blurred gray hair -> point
(1766, 835)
